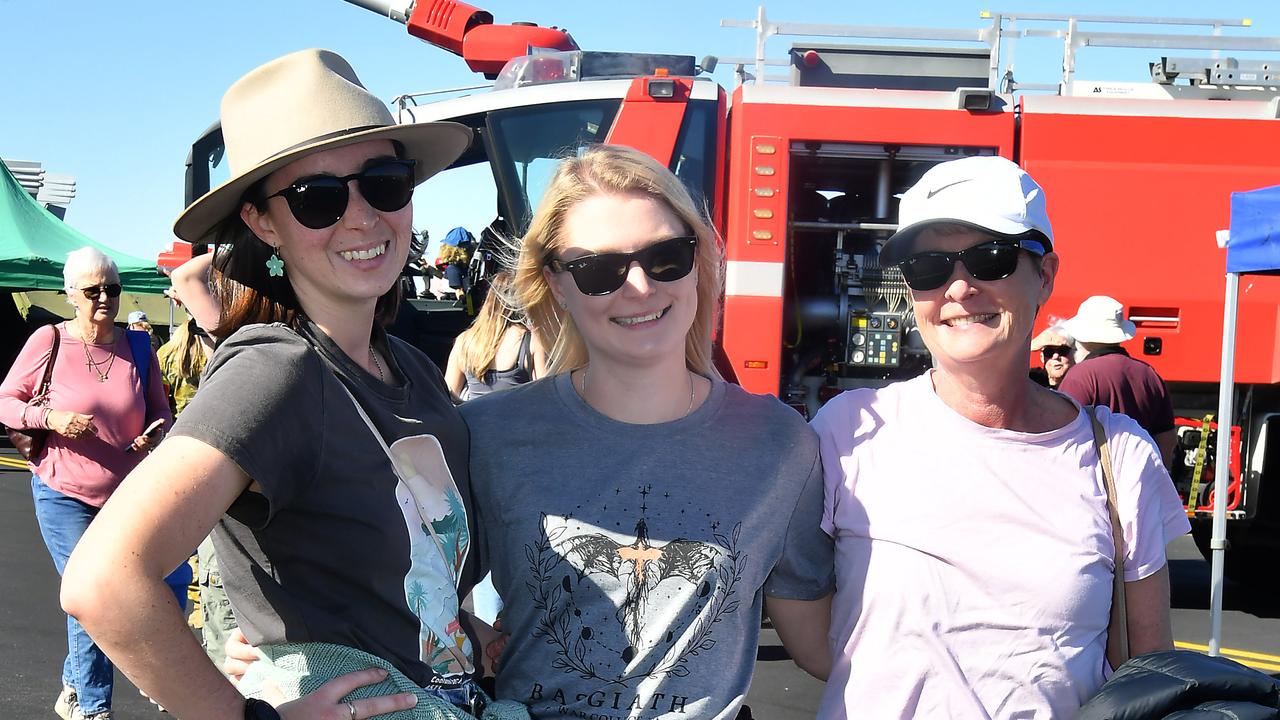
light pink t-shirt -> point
(974, 565)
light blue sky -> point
(114, 92)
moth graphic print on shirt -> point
(625, 606)
(439, 541)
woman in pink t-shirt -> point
(101, 399)
(974, 553)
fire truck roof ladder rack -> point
(1004, 30)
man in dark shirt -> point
(1105, 374)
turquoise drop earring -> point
(275, 266)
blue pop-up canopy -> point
(1253, 248)
(1253, 244)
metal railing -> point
(1000, 36)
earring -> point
(275, 266)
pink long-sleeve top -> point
(88, 468)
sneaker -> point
(104, 715)
(67, 705)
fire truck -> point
(801, 163)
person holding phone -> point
(105, 390)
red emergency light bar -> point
(469, 32)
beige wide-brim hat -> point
(1101, 320)
(295, 105)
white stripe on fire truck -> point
(757, 279)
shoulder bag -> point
(30, 442)
(1171, 683)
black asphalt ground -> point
(32, 629)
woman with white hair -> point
(104, 389)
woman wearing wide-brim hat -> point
(326, 542)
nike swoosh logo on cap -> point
(935, 191)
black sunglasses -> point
(665, 261)
(93, 291)
(991, 260)
(319, 201)
(1048, 351)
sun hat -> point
(295, 105)
(1055, 335)
(985, 192)
(1100, 319)
(137, 316)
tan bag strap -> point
(1118, 628)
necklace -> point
(687, 410)
(377, 365)
(96, 365)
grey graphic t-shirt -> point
(335, 546)
(632, 559)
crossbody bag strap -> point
(382, 442)
(1118, 628)
(43, 390)
(41, 396)
(435, 539)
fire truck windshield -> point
(528, 142)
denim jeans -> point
(86, 669)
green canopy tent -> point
(34, 244)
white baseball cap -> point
(985, 192)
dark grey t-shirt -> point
(336, 548)
(632, 559)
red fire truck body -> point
(801, 179)
(788, 146)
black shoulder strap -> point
(525, 358)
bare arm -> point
(114, 584)
(191, 286)
(1147, 602)
(453, 376)
(1166, 442)
(539, 356)
(802, 625)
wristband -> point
(44, 418)
(255, 709)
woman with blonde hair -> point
(639, 512)
(182, 360)
(453, 260)
(498, 338)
